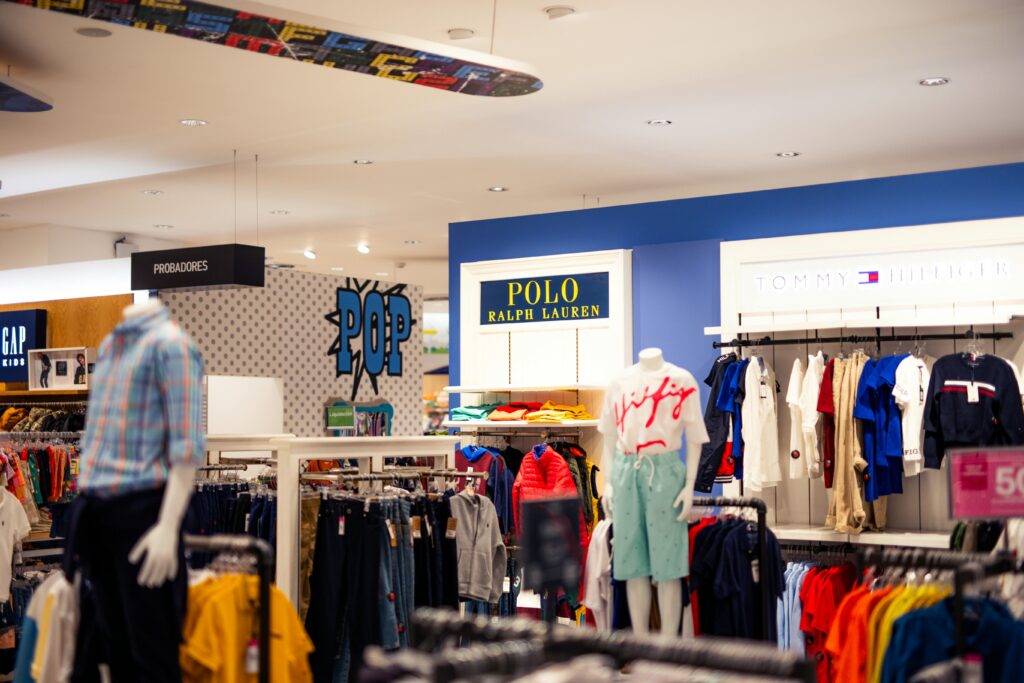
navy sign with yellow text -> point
(544, 299)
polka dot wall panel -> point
(282, 331)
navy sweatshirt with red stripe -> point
(952, 420)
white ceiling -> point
(741, 81)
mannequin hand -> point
(684, 499)
(160, 546)
(607, 499)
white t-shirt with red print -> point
(647, 411)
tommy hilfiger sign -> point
(969, 274)
(213, 266)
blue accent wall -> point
(676, 284)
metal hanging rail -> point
(761, 508)
(39, 436)
(240, 467)
(877, 338)
(966, 567)
(261, 551)
(545, 643)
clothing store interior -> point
(358, 342)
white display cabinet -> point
(60, 369)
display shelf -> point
(797, 532)
(907, 539)
(38, 393)
(517, 388)
(894, 537)
(473, 425)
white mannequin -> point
(638, 591)
(160, 543)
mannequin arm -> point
(685, 497)
(160, 543)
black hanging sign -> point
(213, 266)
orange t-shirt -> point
(851, 652)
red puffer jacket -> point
(545, 474)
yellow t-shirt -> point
(915, 597)
(215, 649)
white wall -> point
(24, 247)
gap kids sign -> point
(372, 326)
(544, 299)
(20, 331)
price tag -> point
(391, 533)
(764, 390)
(972, 393)
(341, 525)
(986, 483)
(452, 526)
(417, 531)
(252, 658)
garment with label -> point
(826, 406)
(809, 391)
(846, 505)
(14, 527)
(760, 427)
(730, 399)
(797, 457)
(482, 553)
(647, 411)
(910, 392)
(597, 576)
(972, 401)
(717, 423)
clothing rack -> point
(261, 551)
(966, 567)
(396, 475)
(42, 436)
(762, 546)
(551, 643)
(876, 338)
(14, 403)
(240, 467)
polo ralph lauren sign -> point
(213, 266)
(552, 298)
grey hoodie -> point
(481, 550)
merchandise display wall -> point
(675, 301)
(281, 331)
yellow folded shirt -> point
(552, 416)
(572, 412)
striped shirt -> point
(145, 407)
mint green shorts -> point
(648, 539)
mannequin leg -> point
(670, 603)
(638, 592)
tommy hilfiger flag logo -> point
(868, 277)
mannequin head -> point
(651, 358)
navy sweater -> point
(952, 421)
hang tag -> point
(391, 533)
(972, 393)
(429, 527)
(764, 390)
(755, 570)
(920, 394)
(341, 525)
(506, 586)
(453, 524)
(252, 658)
(74, 467)
(417, 532)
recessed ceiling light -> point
(382, 274)
(363, 248)
(460, 33)
(414, 242)
(279, 212)
(498, 188)
(934, 80)
(153, 193)
(337, 268)
(659, 122)
(788, 155)
(163, 226)
(5, 215)
(559, 11)
(309, 253)
(92, 32)
(192, 123)
(362, 162)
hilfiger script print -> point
(645, 407)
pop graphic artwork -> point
(372, 326)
